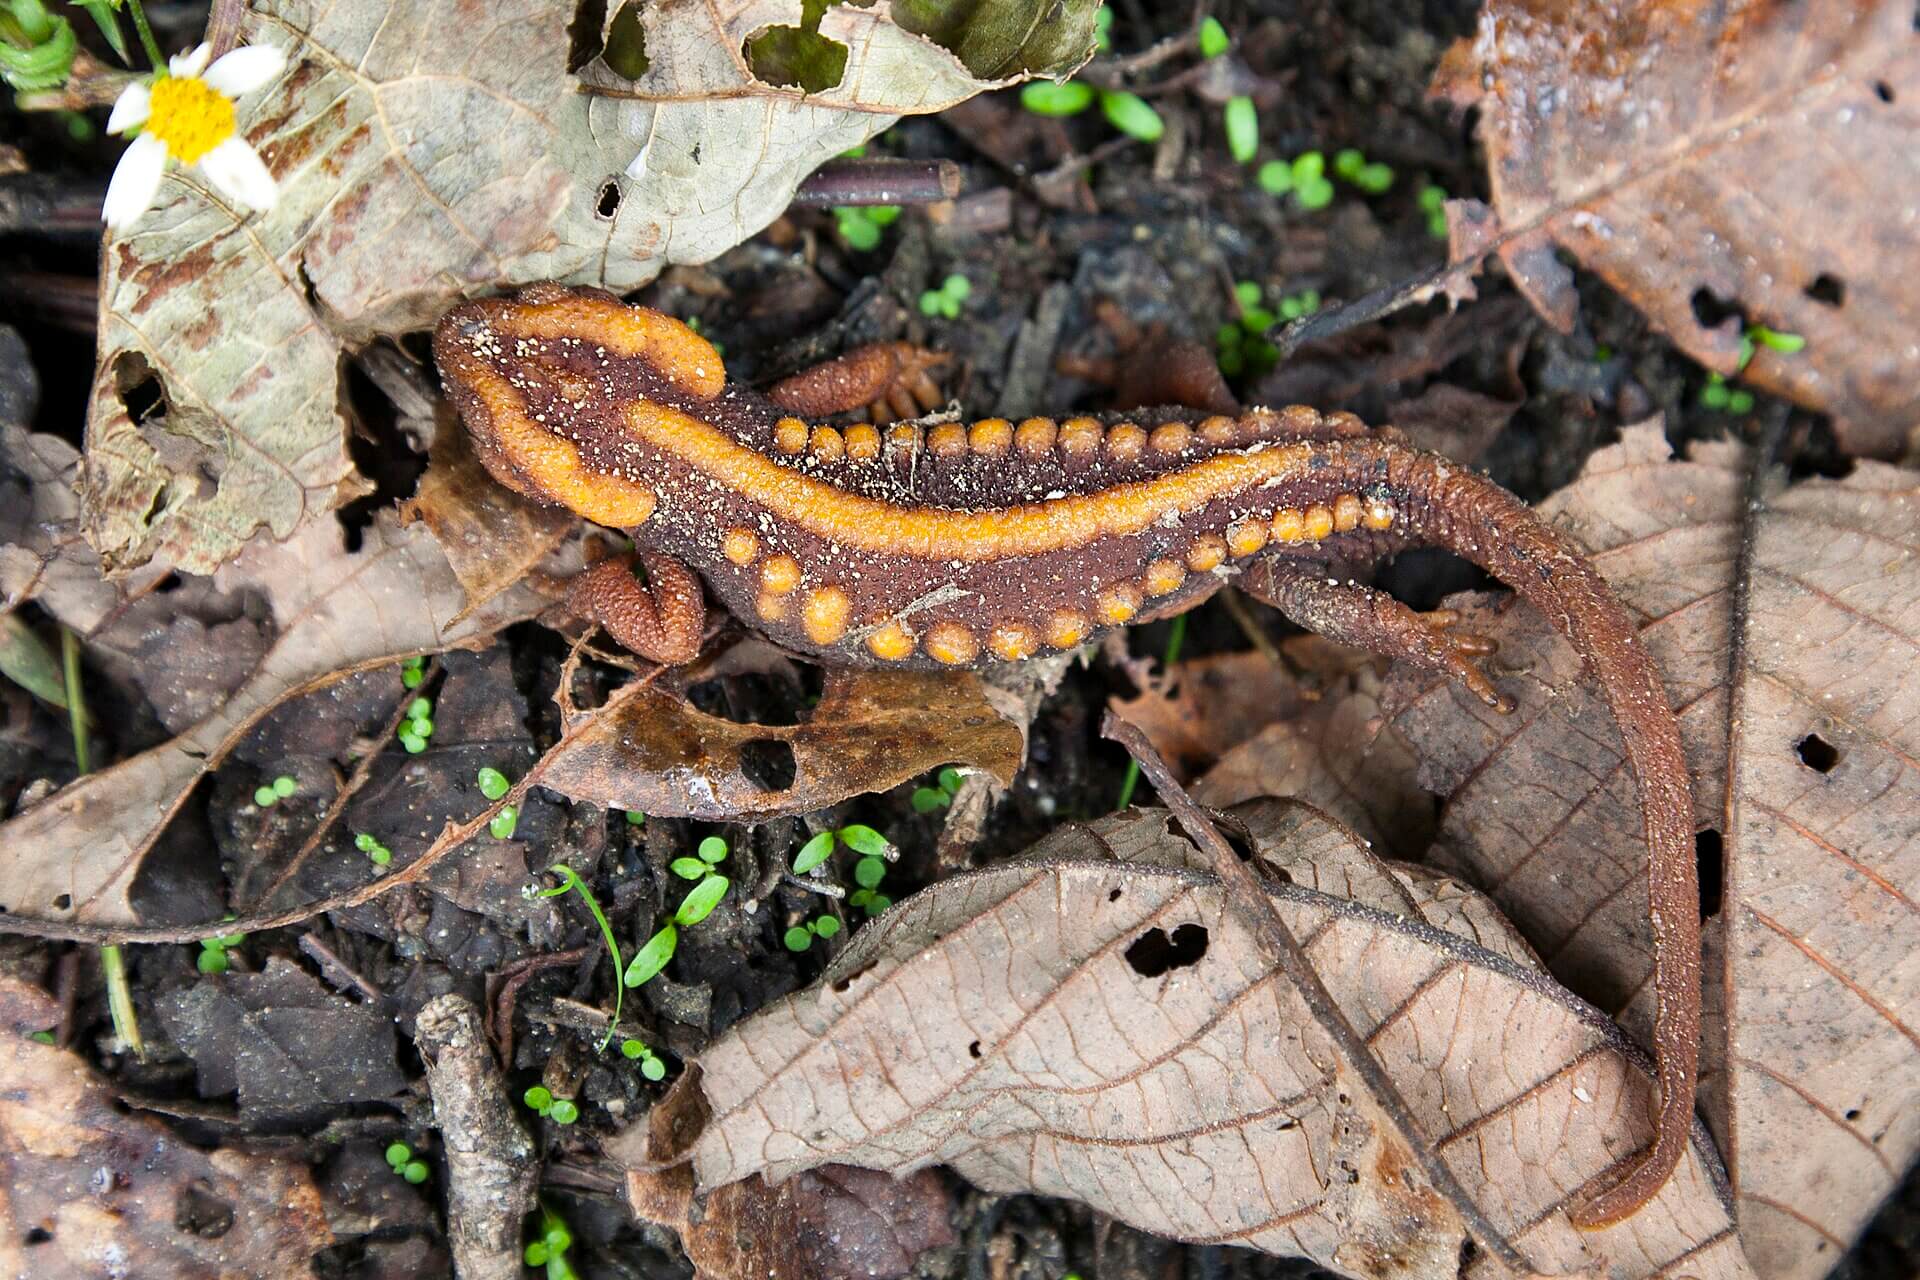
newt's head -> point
(543, 381)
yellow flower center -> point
(189, 116)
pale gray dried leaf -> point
(74, 856)
(426, 152)
(1812, 1071)
(1102, 1030)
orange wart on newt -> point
(960, 545)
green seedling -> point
(1758, 335)
(493, 783)
(948, 298)
(377, 853)
(651, 1065)
(1103, 29)
(400, 1160)
(653, 956)
(558, 1110)
(550, 1250)
(1373, 177)
(213, 952)
(1433, 203)
(1721, 398)
(862, 839)
(274, 792)
(501, 825)
(1243, 348)
(1130, 114)
(1305, 177)
(569, 880)
(1295, 305)
(42, 1037)
(927, 799)
(417, 726)
(1213, 38)
(860, 225)
(712, 851)
(412, 672)
(1243, 129)
(1045, 98)
(695, 907)
(801, 936)
(635, 818)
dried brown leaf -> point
(1092, 1022)
(424, 156)
(652, 751)
(1205, 707)
(821, 1224)
(1817, 1093)
(92, 1190)
(1755, 153)
(74, 856)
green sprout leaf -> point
(859, 231)
(653, 957)
(493, 783)
(264, 797)
(415, 1172)
(502, 824)
(1348, 162)
(1213, 38)
(798, 938)
(631, 1048)
(699, 904)
(653, 1068)
(712, 850)
(1103, 29)
(869, 872)
(926, 799)
(284, 786)
(1275, 177)
(689, 868)
(398, 1154)
(949, 779)
(1375, 179)
(1130, 114)
(1247, 293)
(826, 926)
(1243, 129)
(563, 1111)
(813, 853)
(539, 1098)
(1045, 98)
(536, 1254)
(635, 818)
(865, 840)
(413, 742)
(212, 959)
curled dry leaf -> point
(95, 1191)
(1092, 1022)
(423, 156)
(492, 536)
(74, 856)
(652, 751)
(1706, 159)
(821, 1224)
(1788, 629)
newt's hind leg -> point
(1368, 619)
(662, 619)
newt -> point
(948, 544)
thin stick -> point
(879, 181)
(1278, 946)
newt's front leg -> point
(963, 544)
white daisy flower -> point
(188, 115)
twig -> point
(505, 992)
(337, 971)
(879, 181)
(492, 1171)
(1278, 947)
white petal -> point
(237, 170)
(131, 107)
(136, 179)
(245, 70)
(192, 62)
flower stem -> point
(147, 41)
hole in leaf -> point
(199, 1211)
(63, 901)
(1712, 310)
(1113, 895)
(1154, 953)
(608, 202)
(1827, 289)
(789, 55)
(138, 387)
(973, 1050)
(840, 987)
(1817, 753)
(167, 585)
(626, 51)
(1708, 857)
(37, 1235)
(768, 764)
(1883, 91)
(583, 33)
(1853, 1113)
